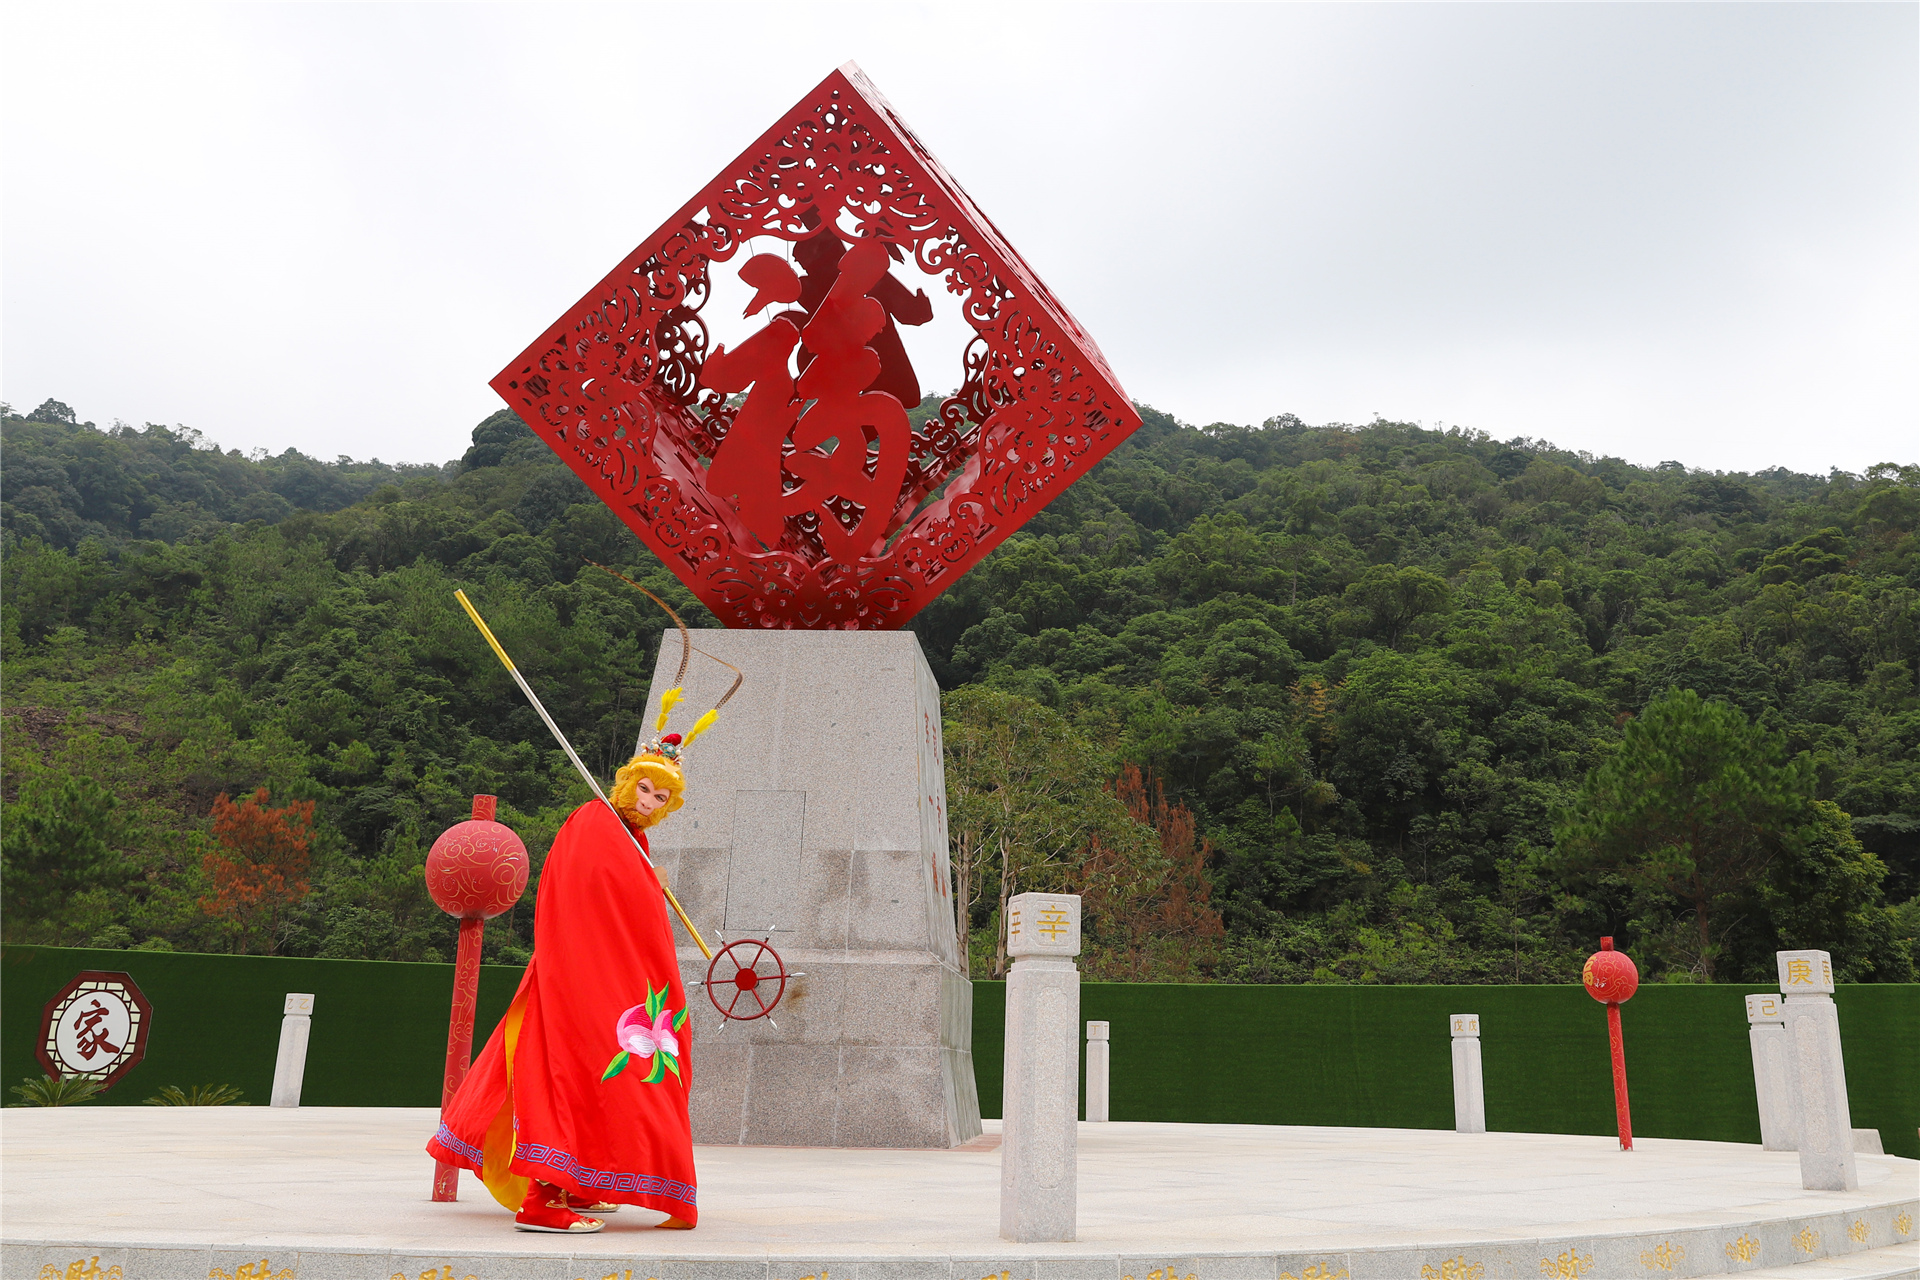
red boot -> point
(583, 1204)
(545, 1209)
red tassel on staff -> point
(476, 869)
(1611, 978)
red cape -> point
(535, 1104)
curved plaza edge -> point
(257, 1193)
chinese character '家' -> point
(89, 1036)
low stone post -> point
(1039, 1185)
(1817, 1078)
(1469, 1089)
(1767, 1036)
(1097, 1036)
(290, 1064)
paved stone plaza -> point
(322, 1192)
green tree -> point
(1029, 810)
(1825, 894)
(1476, 616)
(1385, 602)
(58, 842)
(1694, 808)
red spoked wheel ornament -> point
(746, 980)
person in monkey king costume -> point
(578, 1103)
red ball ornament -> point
(478, 868)
(1609, 975)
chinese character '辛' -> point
(1053, 923)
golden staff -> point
(572, 755)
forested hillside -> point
(1287, 703)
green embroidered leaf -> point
(673, 1063)
(656, 1000)
(659, 1071)
(679, 1020)
(615, 1067)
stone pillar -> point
(1767, 1036)
(290, 1064)
(1469, 1089)
(1817, 1078)
(816, 818)
(1039, 1184)
(1097, 1037)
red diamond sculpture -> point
(782, 478)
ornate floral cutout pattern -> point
(781, 480)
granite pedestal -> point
(1039, 1155)
(1469, 1082)
(816, 819)
(1767, 1037)
(1817, 1079)
(290, 1062)
(1099, 1067)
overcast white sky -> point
(1656, 231)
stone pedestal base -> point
(816, 819)
(290, 1061)
(1469, 1087)
(1099, 1065)
(1818, 1085)
(1771, 1093)
(1039, 1184)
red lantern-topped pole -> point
(1611, 978)
(475, 870)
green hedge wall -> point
(380, 1028)
(1370, 1056)
(1380, 1056)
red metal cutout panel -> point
(780, 478)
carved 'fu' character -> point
(850, 443)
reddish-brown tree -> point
(259, 869)
(1168, 926)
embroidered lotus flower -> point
(648, 1031)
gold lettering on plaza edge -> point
(1165, 1273)
(81, 1269)
(1858, 1230)
(1903, 1223)
(1664, 1256)
(445, 1273)
(1453, 1269)
(1316, 1271)
(1807, 1241)
(1570, 1265)
(261, 1270)
(1745, 1249)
